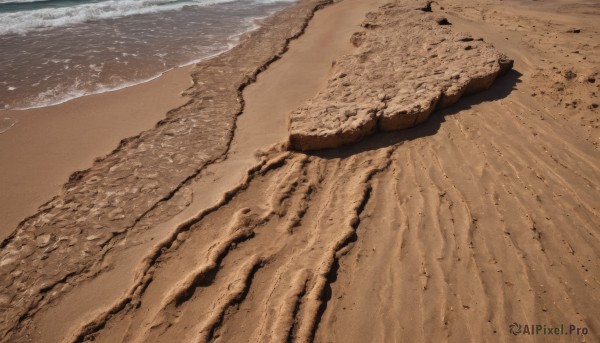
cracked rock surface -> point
(405, 66)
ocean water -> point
(55, 50)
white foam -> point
(19, 1)
(6, 123)
(25, 21)
(59, 95)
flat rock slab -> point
(406, 65)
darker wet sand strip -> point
(299, 74)
(48, 144)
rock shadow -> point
(501, 88)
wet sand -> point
(483, 215)
(48, 144)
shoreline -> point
(107, 90)
(126, 63)
(130, 84)
(25, 192)
(260, 127)
(49, 144)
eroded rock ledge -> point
(405, 66)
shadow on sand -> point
(501, 88)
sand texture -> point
(407, 64)
(214, 227)
(47, 144)
(99, 204)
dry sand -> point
(206, 229)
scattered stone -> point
(357, 38)
(4, 300)
(116, 214)
(574, 30)
(150, 186)
(7, 261)
(75, 176)
(43, 240)
(92, 180)
(570, 75)
(182, 236)
(442, 21)
(426, 7)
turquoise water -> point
(55, 50)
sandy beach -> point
(351, 171)
(48, 144)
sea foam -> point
(24, 21)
